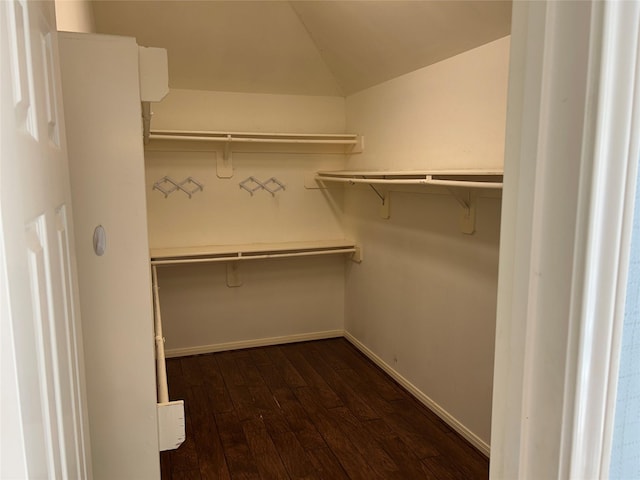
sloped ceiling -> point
(302, 47)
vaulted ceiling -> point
(302, 47)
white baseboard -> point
(416, 392)
(260, 342)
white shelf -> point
(248, 137)
(346, 143)
(231, 254)
(253, 251)
(491, 179)
(460, 183)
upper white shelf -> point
(447, 178)
(247, 137)
(344, 143)
(459, 183)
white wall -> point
(279, 298)
(75, 16)
(223, 213)
(248, 112)
(102, 117)
(448, 115)
(424, 299)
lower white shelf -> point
(252, 251)
(171, 414)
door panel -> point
(71, 340)
(47, 428)
(44, 431)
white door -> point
(43, 431)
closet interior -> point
(273, 214)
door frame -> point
(571, 160)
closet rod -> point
(464, 183)
(239, 257)
(395, 181)
(412, 181)
(200, 138)
(161, 367)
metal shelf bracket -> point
(385, 208)
(233, 275)
(224, 165)
(467, 200)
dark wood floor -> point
(313, 410)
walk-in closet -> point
(300, 204)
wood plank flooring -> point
(312, 410)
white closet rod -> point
(240, 256)
(464, 183)
(161, 368)
(200, 138)
(219, 134)
(412, 181)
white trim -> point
(525, 71)
(13, 454)
(421, 396)
(599, 294)
(570, 166)
(260, 342)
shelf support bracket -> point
(146, 121)
(377, 192)
(385, 208)
(467, 200)
(233, 275)
(356, 256)
(224, 165)
(359, 145)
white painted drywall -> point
(103, 119)
(248, 112)
(279, 298)
(448, 115)
(223, 213)
(424, 299)
(75, 16)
